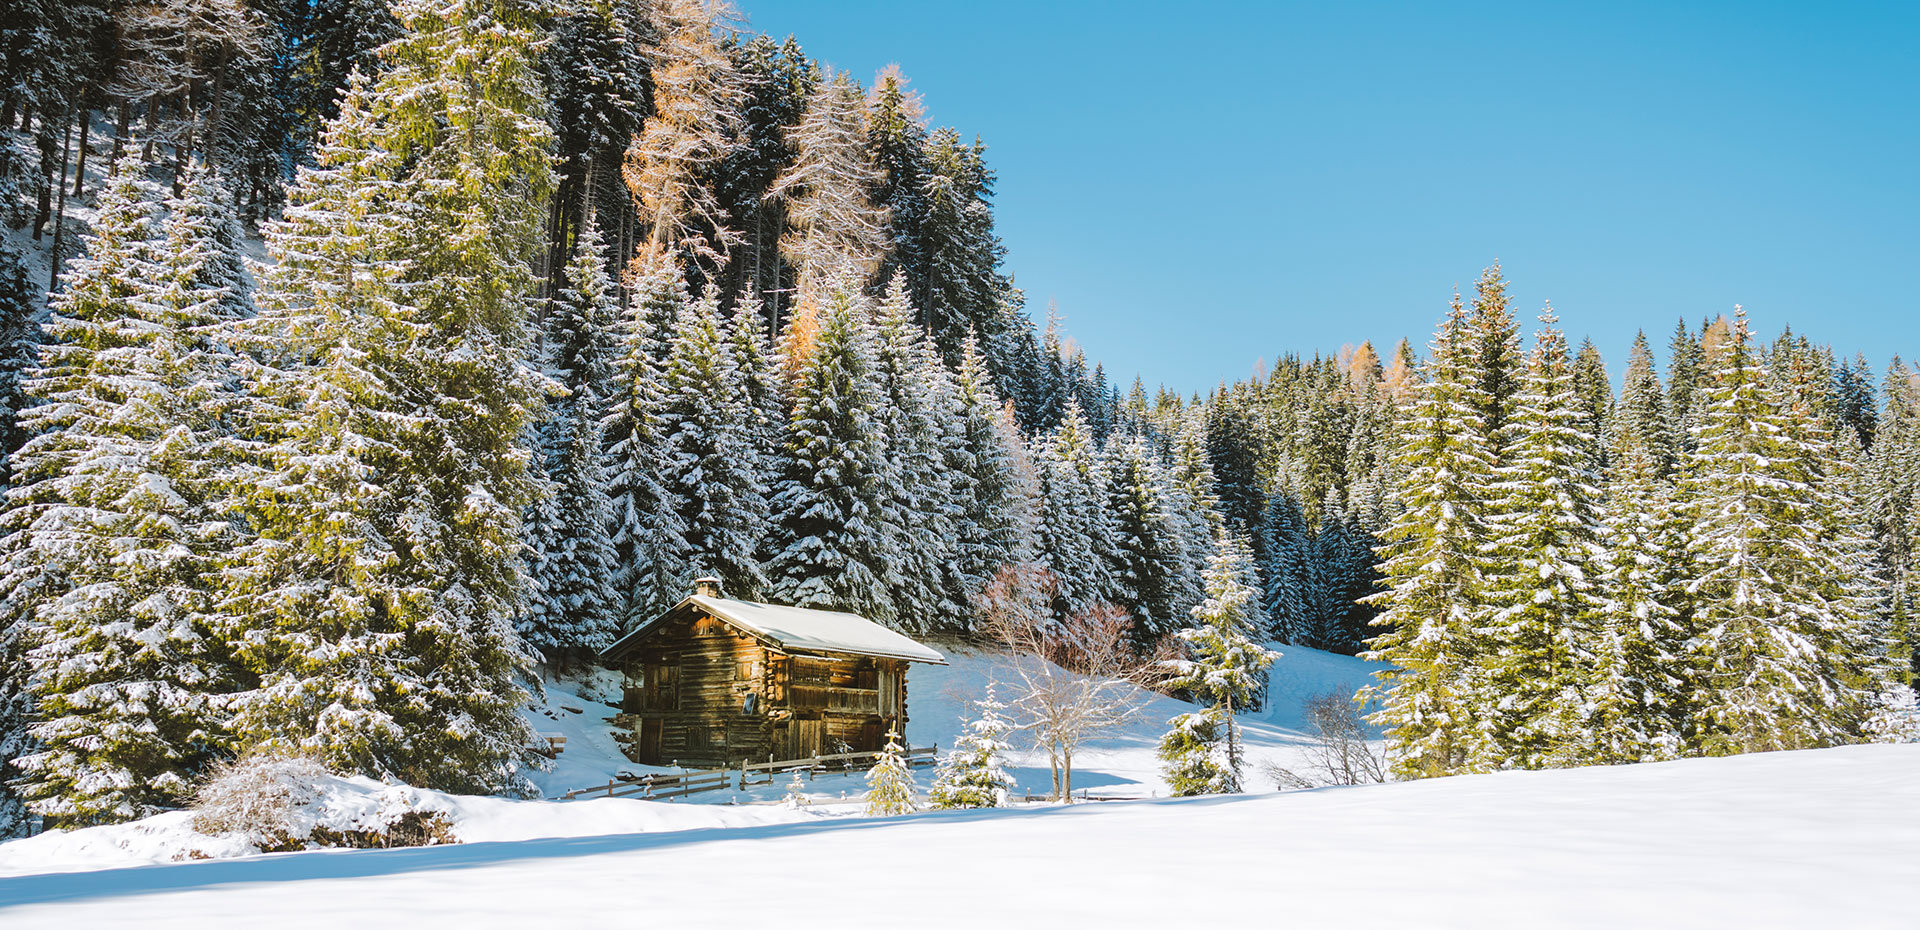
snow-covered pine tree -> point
(710, 462)
(974, 772)
(424, 352)
(1148, 550)
(1685, 370)
(825, 189)
(1435, 568)
(1640, 420)
(1496, 337)
(890, 782)
(995, 521)
(118, 500)
(206, 204)
(1770, 559)
(648, 535)
(830, 546)
(1225, 666)
(1291, 576)
(1074, 530)
(19, 348)
(1546, 558)
(1636, 697)
(917, 414)
(1594, 388)
(575, 608)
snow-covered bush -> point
(796, 799)
(278, 803)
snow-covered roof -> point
(801, 629)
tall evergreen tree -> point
(444, 169)
(1225, 668)
(711, 462)
(119, 506)
(1547, 557)
(1771, 555)
(1435, 567)
(576, 608)
(830, 545)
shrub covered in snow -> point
(276, 803)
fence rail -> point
(663, 787)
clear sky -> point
(1204, 185)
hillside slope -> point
(1819, 838)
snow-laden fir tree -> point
(994, 523)
(1291, 570)
(1547, 558)
(574, 607)
(649, 536)
(1770, 565)
(917, 412)
(711, 464)
(1073, 528)
(383, 589)
(890, 790)
(974, 772)
(831, 545)
(1225, 667)
(1149, 548)
(1432, 696)
(207, 205)
(118, 502)
(19, 348)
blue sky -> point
(1202, 186)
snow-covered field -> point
(1826, 838)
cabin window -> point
(750, 705)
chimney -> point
(707, 586)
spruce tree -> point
(710, 460)
(974, 772)
(648, 534)
(890, 782)
(575, 608)
(1225, 668)
(394, 471)
(119, 506)
(1435, 568)
(1771, 558)
(1547, 557)
(830, 545)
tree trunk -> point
(80, 163)
(1066, 775)
(60, 215)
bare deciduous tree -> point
(1069, 680)
(1344, 751)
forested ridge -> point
(559, 306)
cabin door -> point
(650, 741)
(808, 737)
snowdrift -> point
(1822, 838)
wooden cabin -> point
(716, 681)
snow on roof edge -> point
(805, 629)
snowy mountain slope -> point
(1820, 838)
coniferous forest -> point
(359, 358)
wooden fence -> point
(664, 787)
